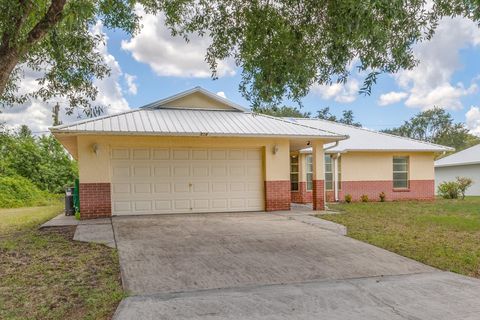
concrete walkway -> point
(60, 221)
(96, 231)
(275, 266)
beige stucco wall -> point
(318, 160)
(377, 166)
(96, 167)
(198, 100)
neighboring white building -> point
(465, 163)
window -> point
(339, 168)
(294, 173)
(400, 172)
(328, 173)
(309, 170)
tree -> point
(290, 112)
(283, 47)
(347, 117)
(54, 39)
(436, 126)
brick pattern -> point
(95, 200)
(277, 195)
(330, 196)
(419, 190)
(302, 195)
(318, 195)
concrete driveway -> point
(269, 266)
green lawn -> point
(46, 275)
(444, 234)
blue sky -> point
(154, 65)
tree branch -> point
(52, 17)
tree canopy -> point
(346, 118)
(437, 126)
(41, 160)
(282, 47)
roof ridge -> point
(300, 124)
(378, 132)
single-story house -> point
(198, 152)
(465, 163)
(368, 163)
(192, 152)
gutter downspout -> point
(335, 145)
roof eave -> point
(456, 164)
(195, 134)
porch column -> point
(277, 176)
(335, 176)
(318, 194)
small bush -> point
(77, 215)
(449, 190)
(364, 198)
(348, 198)
(16, 191)
(382, 196)
(463, 184)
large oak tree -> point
(282, 47)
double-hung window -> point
(400, 172)
(328, 172)
(309, 171)
(294, 173)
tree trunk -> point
(8, 61)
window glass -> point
(309, 171)
(328, 172)
(400, 172)
(294, 173)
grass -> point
(443, 234)
(46, 275)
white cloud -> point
(172, 56)
(473, 120)
(391, 97)
(343, 93)
(37, 114)
(429, 84)
(132, 86)
(222, 94)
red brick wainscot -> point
(277, 195)
(418, 190)
(318, 195)
(95, 200)
(302, 195)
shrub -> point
(16, 191)
(364, 198)
(348, 198)
(463, 184)
(449, 190)
(382, 196)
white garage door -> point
(176, 180)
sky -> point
(153, 65)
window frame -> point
(297, 173)
(309, 172)
(331, 172)
(407, 173)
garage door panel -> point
(141, 171)
(160, 154)
(120, 154)
(181, 180)
(141, 154)
(181, 171)
(164, 187)
(142, 188)
(181, 154)
(161, 171)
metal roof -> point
(361, 139)
(464, 157)
(194, 122)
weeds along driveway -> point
(179, 253)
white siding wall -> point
(450, 173)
